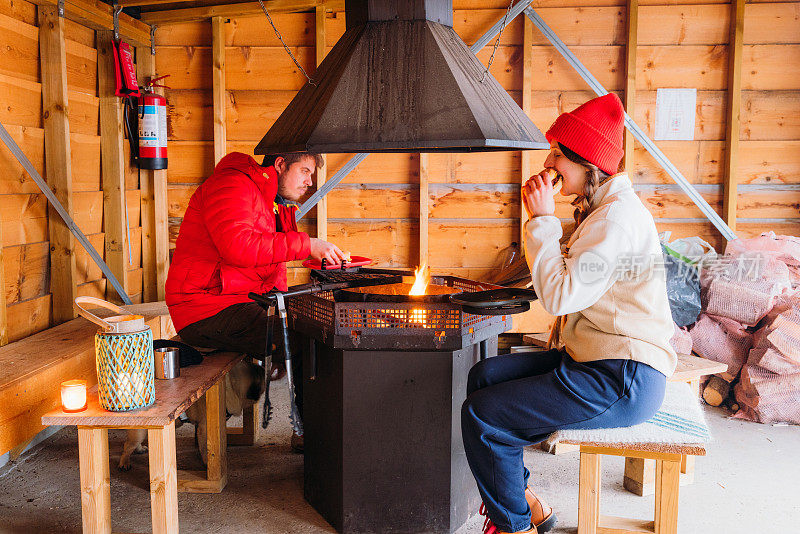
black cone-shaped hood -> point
(401, 86)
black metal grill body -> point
(382, 395)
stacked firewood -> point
(751, 322)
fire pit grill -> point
(383, 385)
(413, 325)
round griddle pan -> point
(503, 301)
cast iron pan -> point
(503, 301)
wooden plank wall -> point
(23, 209)
(473, 200)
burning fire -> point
(422, 277)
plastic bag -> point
(692, 250)
(683, 290)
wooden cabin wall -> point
(473, 200)
(23, 208)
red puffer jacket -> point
(228, 244)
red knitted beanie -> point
(593, 131)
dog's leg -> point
(133, 444)
(197, 416)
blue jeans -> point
(519, 399)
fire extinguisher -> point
(152, 127)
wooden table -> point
(173, 397)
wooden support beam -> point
(322, 174)
(423, 210)
(141, 3)
(733, 113)
(145, 68)
(112, 162)
(3, 312)
(632, 27)
(155, 224)
(245, 9)
(58, 158)
(219, 92)
(98, 15)
(527, 107)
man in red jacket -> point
(236, 237)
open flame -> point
(422, 277)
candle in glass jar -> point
(73, 395)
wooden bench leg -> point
(215, 477)
(163, 479)
(640, 475)
(589, 493)
(247, 434)
(217, 435)
(667, 489)
(95, 480)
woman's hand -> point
(537, 195)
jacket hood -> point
(266, 178)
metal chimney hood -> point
(401, 80)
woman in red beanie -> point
(609, 351)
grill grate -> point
(337, 275)
(409, 324)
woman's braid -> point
(583, 202)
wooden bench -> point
(173, 397)
(640, 473)
(32, 369)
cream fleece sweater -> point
(610, 281)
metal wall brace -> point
(51, 197)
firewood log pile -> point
(751, 322)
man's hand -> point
(537, 195)
(328, 251)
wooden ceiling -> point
(170, 11)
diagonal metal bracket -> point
(314, 199)
(353, 162)
(634, 128)
(79, 235)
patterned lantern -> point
(124, 351)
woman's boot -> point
(542, 516)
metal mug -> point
(167, 363)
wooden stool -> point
(667, 471)
(676, 432)
(640, 473)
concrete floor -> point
(748, 483)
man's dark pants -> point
(243, 328)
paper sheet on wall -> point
(675, 114)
